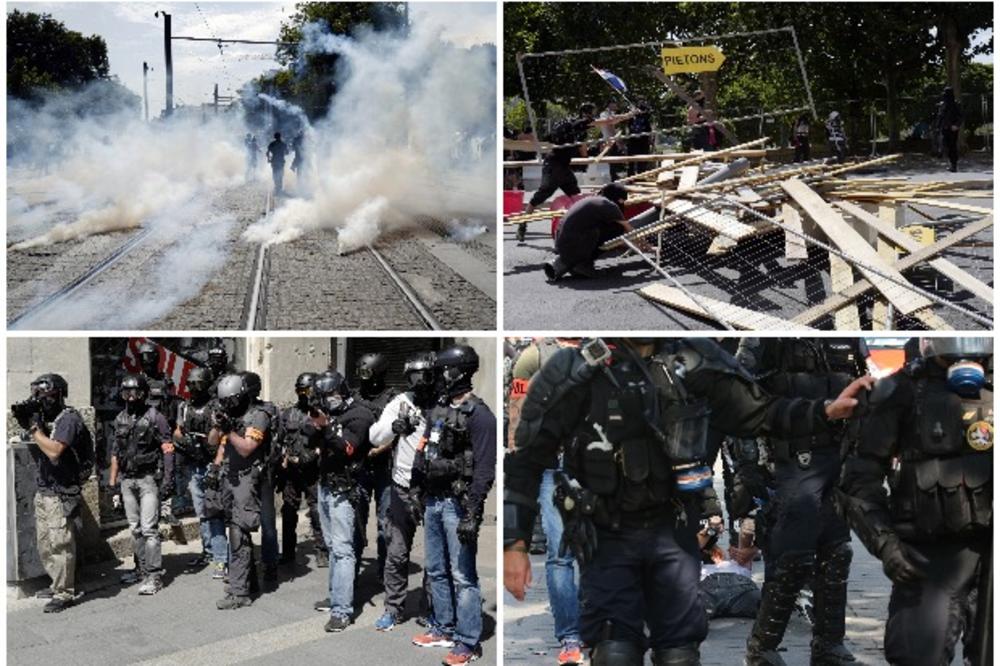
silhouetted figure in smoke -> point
(276, 151)
(298, 164)
(252, 149)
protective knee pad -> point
(685, 655)
(617, 653)
(791, 571)
(833, 567)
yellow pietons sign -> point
(691, 59)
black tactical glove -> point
(576, 506)
(901, 563)
(222, 422)
(37, 420)
(468, 527)
(403, 426)
(211, 480)
(414, 506)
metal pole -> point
(215, 99)
(802, 68)
(145, 91)
(169, 61)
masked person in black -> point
(929, 433)
(276, 151)
(343, 445)
(218, 363)
(376, 474)
(268, 516)
(194, 422)
(805, 542)
(634, 421)
(588, 224)
(242, 431)
(64, 453)
(398, 432)
(455, 470)
(300, 472)
(162, 392)
(143, 457)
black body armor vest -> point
(138, 443)
(448, 463)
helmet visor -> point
(132, 393)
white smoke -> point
(409, 136)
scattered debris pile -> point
(754, 245)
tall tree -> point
(42, 54)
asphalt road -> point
(754, 275)
(180, 625)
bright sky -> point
(133, 35)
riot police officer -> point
(455, 470)
(634, 421)
(64, 453)
(299, 472)
(194, 422)
(343, 445)
(268, 516)
(217, 361)
(143, 456)
(376, 475)
(929, 433)
(242, 431)
(162, 392)
(806, 541)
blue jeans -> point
(268, 523)
(213, 532)
(336, 517)
(451, 568)
(560, 574)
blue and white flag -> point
(613, 80)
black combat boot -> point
(776, 604)
(555, 269)
(616, 653)
(685, 655)
(833, 566)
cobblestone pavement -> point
(180, 625)
(528, 629)
(197, 274)
(755, 276)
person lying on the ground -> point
(587, 225)
(726, 587)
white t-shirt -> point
(607, 131)
(406, 447)
(726, 566)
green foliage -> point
(43, 55)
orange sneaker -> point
(433, 638)
(462, 654)
(571, 654)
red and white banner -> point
(171, 363)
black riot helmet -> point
(50, 390)
(330, 393)
(218, 360)
(966, 360)
(199, 380)
(303, 387)
(252, 380)
(232, 393)
(419, 373)
(371, 370)
(454, 368)
(149, 359)
(134, 390)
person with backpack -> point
(556, 171)
(64, 454)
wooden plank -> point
(688, 179)
(841, 278)
(721, 245)
(909, 261)
(978, 210)
(795, 244)
(742, 318)
(881, 315)
(726, 225)
(905, 241)
(747, 195)
(851, 243)
(665, 178)
(931, 320)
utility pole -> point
(145, 90)
(168, 57)
(215, 99)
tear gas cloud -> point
(410, 134)
(75, 175)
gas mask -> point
(966, 378)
